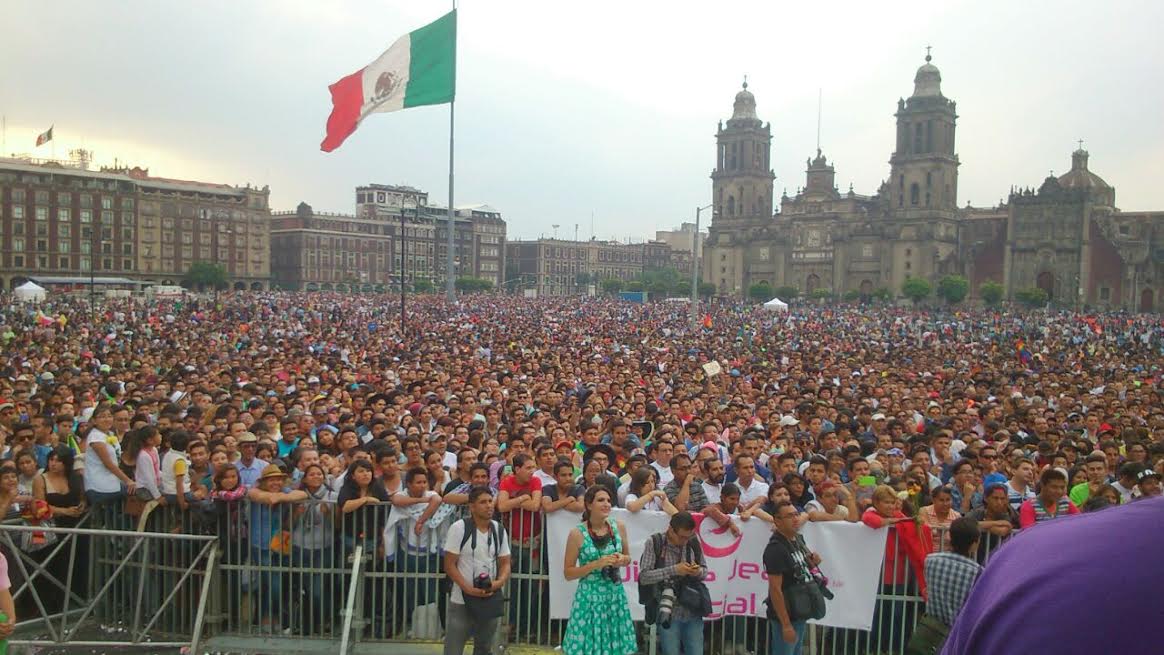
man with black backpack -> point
(477, 561)
(671, 587)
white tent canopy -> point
(30, 292)
(776, 305)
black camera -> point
(483, 581)
(611, 573)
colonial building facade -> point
(315, 251)
(1067, 237)
(61, 223)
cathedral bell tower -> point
(924, 167)
(742, 181)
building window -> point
(107, 264)
(86, 216)
(126, 264)
(106, 202)
(18, 261)
(64, 231)
(18, 195)
(1104, 293)
(42, 213)
(42, 262)
(64, 262)
(42, 197)
(18, 212)
(18, 244)
(63, 246)
(1124, 230)
(86, 200)
(914, 194)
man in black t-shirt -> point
(787, 564)
(564, 493)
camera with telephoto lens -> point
(666, 606)
(483, 581)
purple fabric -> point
(1086, 584)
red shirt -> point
(523, 524)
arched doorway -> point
(866, 288)
(1146, 301)
(240, 286)
(256, 286)
(312, 286)
(811, 283)
(1046, 282)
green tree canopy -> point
(786, 293)
(953, 288)
(706, 289)
(611, 286)
(203, 274)
(423, 285)
(916, 288)
(991, 292)
(472, 284)
(1032, 297)
(883, 293)
(760, 291)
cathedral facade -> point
(1066, 236)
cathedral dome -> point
(1079, 177)
(928, 80)
(745, 105)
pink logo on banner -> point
(712, 539)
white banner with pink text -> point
(851, 555)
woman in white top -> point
(142, 446)
(104, 481)
(645, 494)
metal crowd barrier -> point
(244, 577)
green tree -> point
(423, 285)
(636, 285)
(1032, 297)
(706, 289)
(852, 295)
(953, 288)
(472, 284)
(822, 294)
(659, 288)
(884, 294)
(991, 292)
(682, 289)
(916, 289)
(582, 279)
(786, 293)
(760, 291)
(611, 286)
(204, 275)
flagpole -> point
(450, 282)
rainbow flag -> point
(1024, 355)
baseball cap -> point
(786, 421)
(878, 417)
(1148, 473)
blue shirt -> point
(248, 476)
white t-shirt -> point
(758, 489)
(450, 461)
(712, 491)
(416, 542)
(97, 477)
(665, 474)
(478, 559)
(546, 478)
(652, 504)
(175, 464)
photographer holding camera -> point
(669, 571)
(477, 561)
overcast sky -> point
(603, 108)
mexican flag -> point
(44, 137)
(419, 69)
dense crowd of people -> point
(899, 417)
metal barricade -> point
(102, 586)
(242, 576)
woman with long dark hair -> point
(359, 517)
(61, 488)
(596, 551)
(313, 543)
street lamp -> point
(695, 270)
(92, 261)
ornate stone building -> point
(1067, 237)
